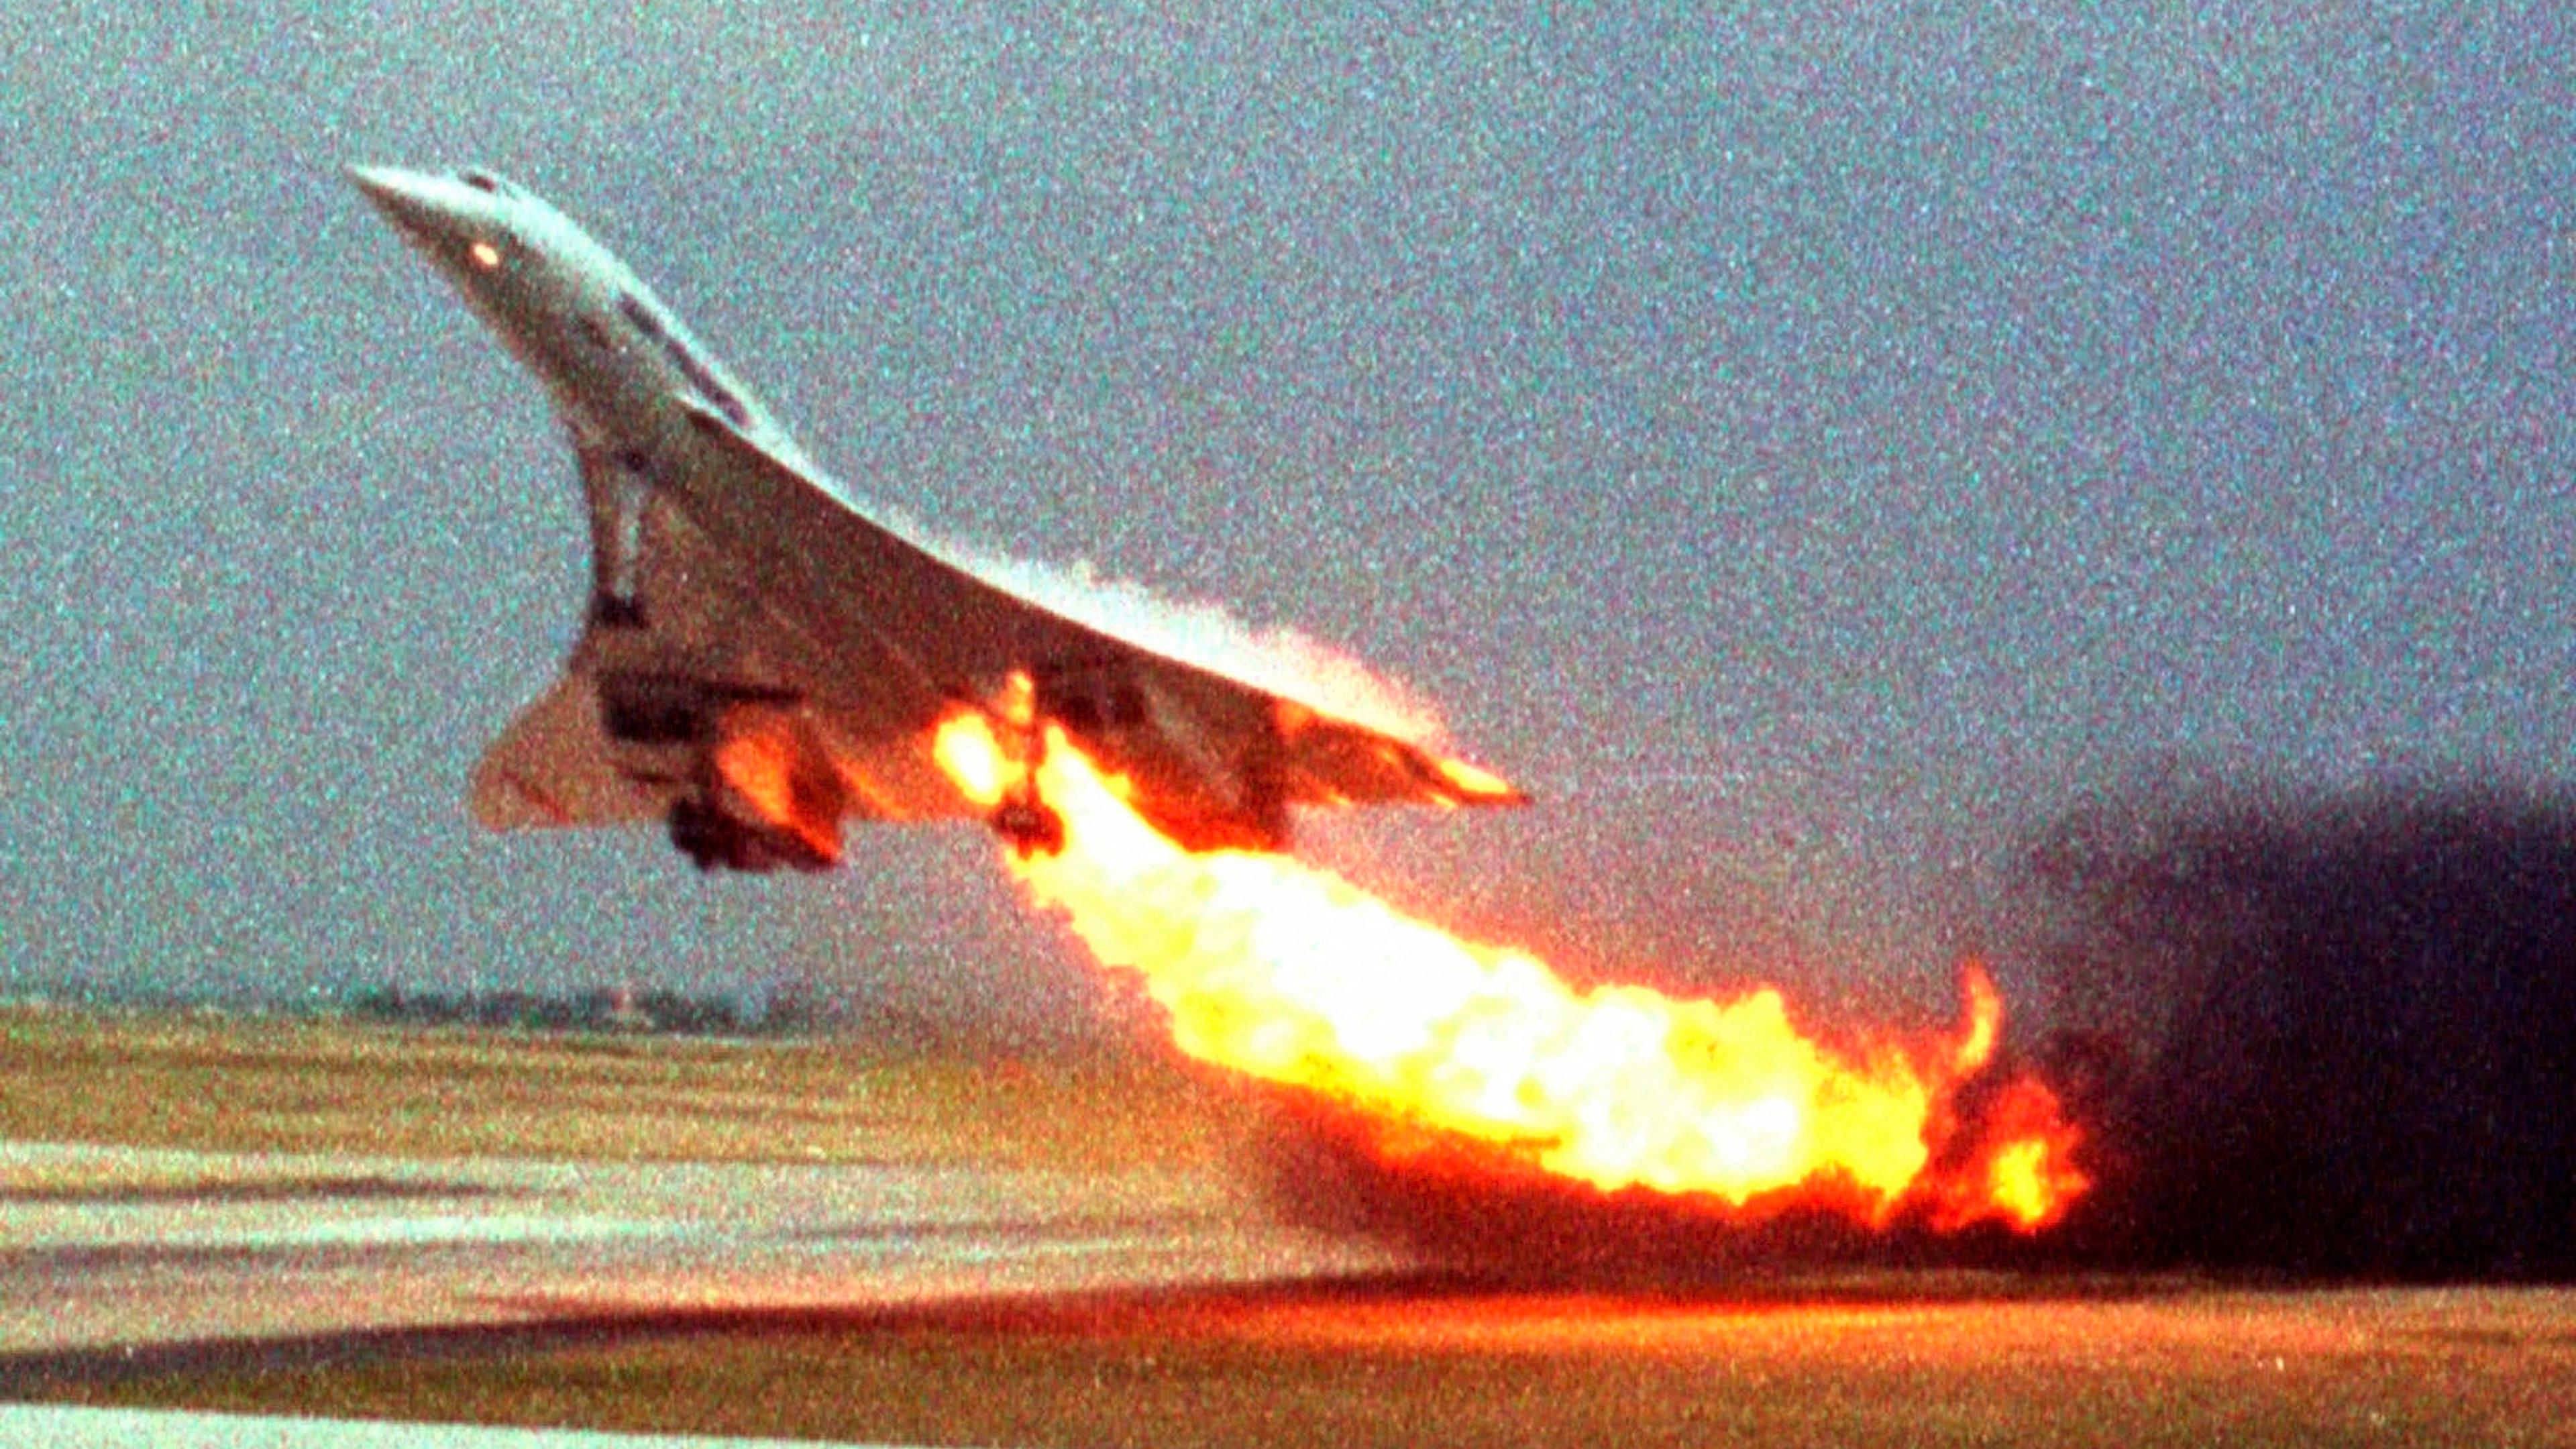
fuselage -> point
(616, 361)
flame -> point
(760, 768)
(760, 758)
(2026, 1174)
(1476, 784)
(1294, 975)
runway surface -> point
(1094, 1299)
(141, 1254)
(78, 1428)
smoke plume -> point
(2304, 1034)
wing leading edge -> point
(1217, 759)
(763, 663)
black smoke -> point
(2312, 1035)
(2341, 1030)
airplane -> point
(763, 660)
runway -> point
(145, 1254)
(78, 1428)
(966, 1289)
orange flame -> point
(760, 758)
(1292, 974)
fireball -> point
(1288, 973)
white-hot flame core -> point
(1292, 974)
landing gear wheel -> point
(1031, 826)
(612, 611)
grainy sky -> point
(1809, 445)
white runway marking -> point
(145, 1429)
(107, 1251)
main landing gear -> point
(1028, 824)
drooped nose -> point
(408, 199)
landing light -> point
(485, 255)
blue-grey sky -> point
(1810, 446)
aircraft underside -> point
(755, 782)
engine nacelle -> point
(762, 790)
(714, 839)
(657, 709)
(1201, 797)
(1259, 823)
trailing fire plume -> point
(1294, 975)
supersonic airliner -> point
(763, 661)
